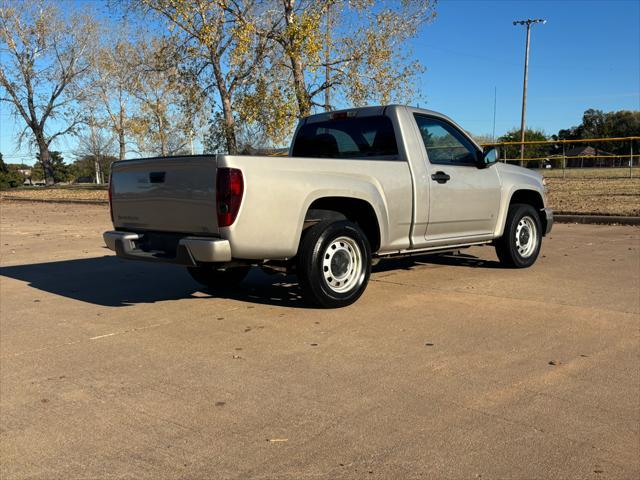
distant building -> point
(586, 156)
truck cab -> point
(383, 181)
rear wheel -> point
(334, 263)
(520, 243)
(212, 277)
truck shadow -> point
(113, 282)
(413, 262)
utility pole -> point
(528, 22)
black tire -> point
(213, 278)
(522, 226)
(333, 263)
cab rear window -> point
(354, 137)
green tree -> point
(85, 166)
(59, 169)
(10, 177)
(599, 124)
(512, 152)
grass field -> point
(75, 193)
(590, 172)
(605, 196)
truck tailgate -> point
(165, 194)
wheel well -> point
(533, 198)
(530, 197)
(353, 209)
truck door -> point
(463, 199)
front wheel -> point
(211, 277)
(520, 243)
(334, 263)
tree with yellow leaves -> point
(220, 38)
(350, 50)
(272, 61)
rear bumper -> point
(190, 250)
(548, 219)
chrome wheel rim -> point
(342, 265)
(526, 237)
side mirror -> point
(489, 157)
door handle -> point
(440, 177)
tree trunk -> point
(121, 142)
(299, 86)
(45, 160)
(229, 126)
(302, 96)
(96, 166)
(123, 152)
(327, 58)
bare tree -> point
(169, 103)
(96, 142)
(112, 86)
(42, 78)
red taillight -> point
(110, 196)
(229, 190)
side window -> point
(444, 144)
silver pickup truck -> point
(358, 185)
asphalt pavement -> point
(447, 367)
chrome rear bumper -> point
(190, 250)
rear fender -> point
(364, 191)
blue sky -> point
(587, 55)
